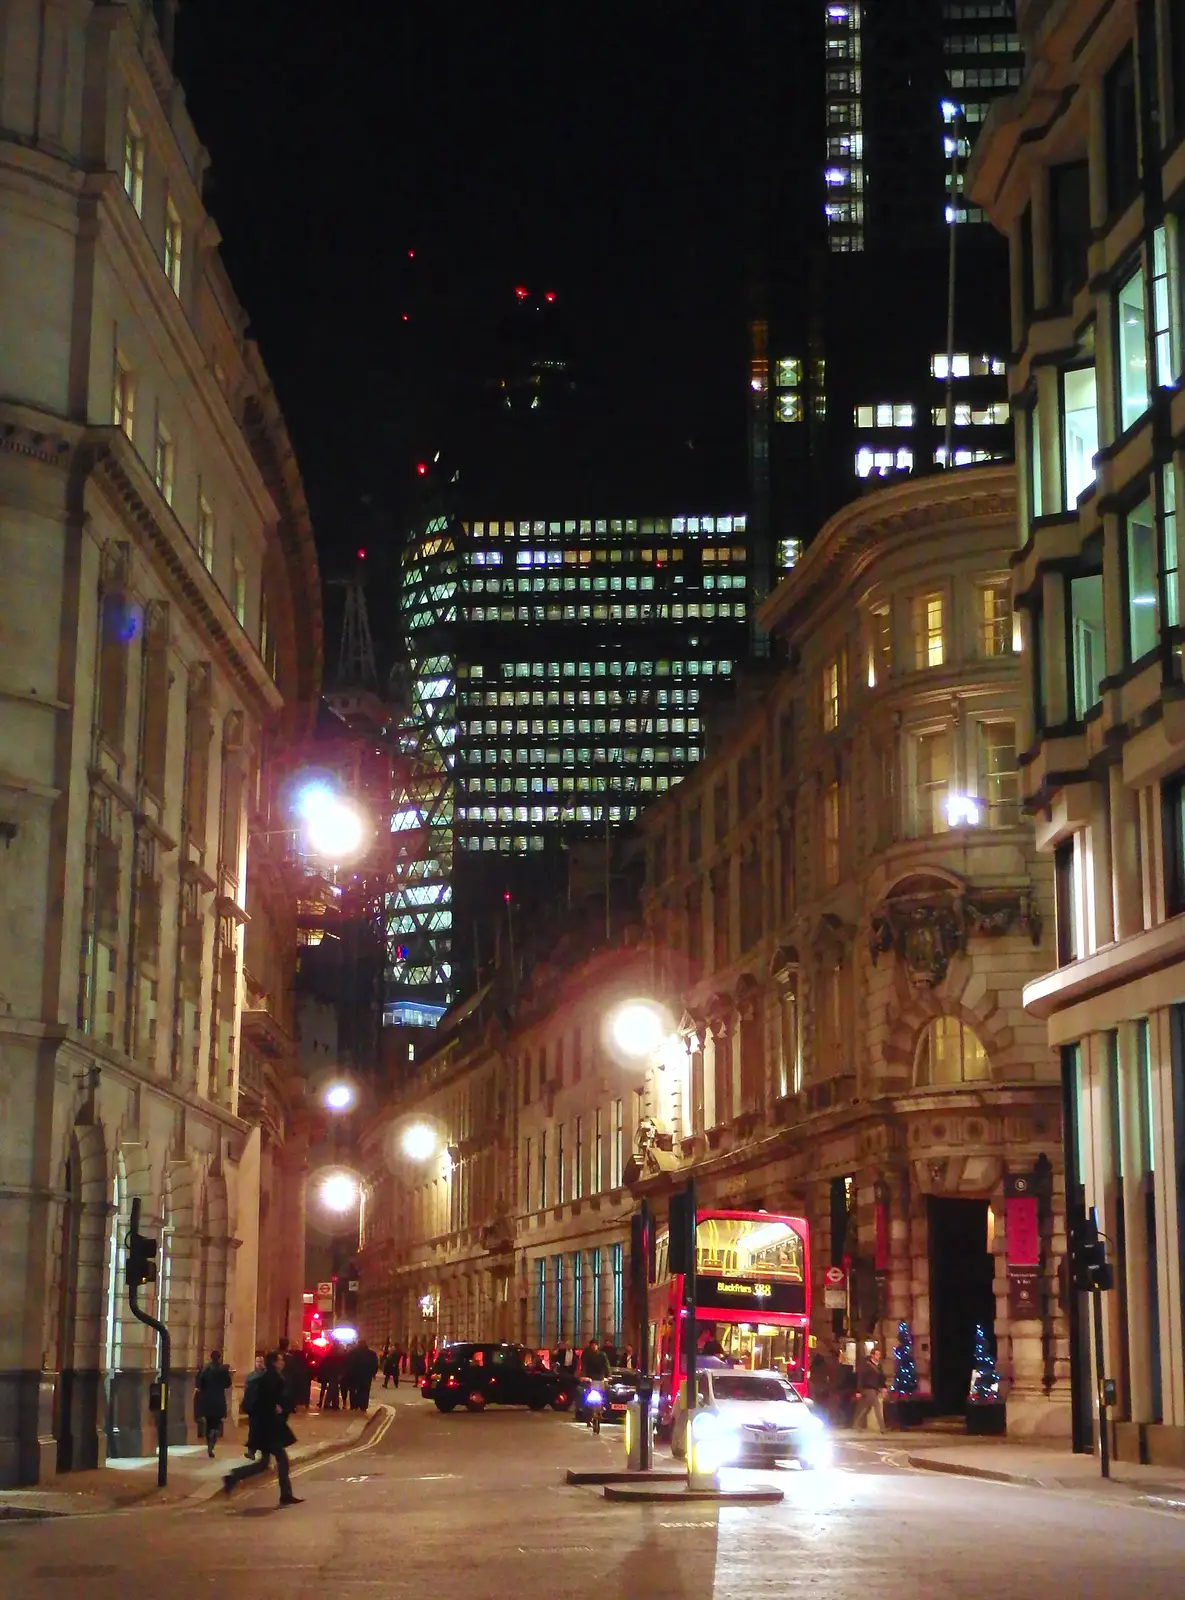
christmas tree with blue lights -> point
(985, 1379)
(905, 1372)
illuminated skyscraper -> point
(856, 181)
(559, 669)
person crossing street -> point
(268, 1432)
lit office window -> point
(123, 397)
(831, 841)
(173, 243)
(928, 639)
(1133, 353)
(1165, 332)
(1143, 611)
(831, 695)
(999, 776)
(163, 463)
(133, 163)
(931, 782)
(995, 623)
(1080, 431)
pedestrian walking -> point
(871, 1380)
(247, 1401)
(269, 1433)
(209, 1398)
(392, 1357)
(361, 1366)
(298, 1376)
(330, 1371)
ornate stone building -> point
(517, 1225)
(845, 903)
(1084, 169)
(160, 619)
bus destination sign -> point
(751, 1295)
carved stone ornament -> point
(927, 929)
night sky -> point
(591, 149)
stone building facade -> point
(845, 904)
(160, 619)
(1084, 170)
(517, 1226)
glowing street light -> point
(420, 1141)
(962, 811)
(339, 1097)
(638, 1029)
(339, 1192)
(333, 827)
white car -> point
(754, 1419)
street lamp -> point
(339, 1192)
(333, 827)
(420, 1141)
(638, 1029)
(339, 1097)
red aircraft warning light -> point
(550, 297)
(521, 292)
(422, 468)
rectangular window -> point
(882, 644)
(932, 781)
(561, 1193)
(928, 641)
(239, 597)
(617, 1267)
(617, 1149)
(831, 843)
(1172, 804)
(1069, 222)
(1080, 432)
(1165, 333)
(1087, 655)
(577, 1298)
(578, 1162)
(1143, 610)
(541, 1299)
(999, 777)
(598, 1153)
(173, 242)
(1169, 577)
(995, 619)
(831, 696)
(542, 1168)
(123, 398)
(1131, 340)
(205, 534)
(1066, 903)
(163, 464)
(527, 1174)
(1033, 450)
(1120, 125)
(133, 163)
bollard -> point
(633, 1436)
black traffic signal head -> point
(1088, 1255)
(141, 1260)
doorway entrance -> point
(960, 1295)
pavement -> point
(192, 1474)
(465, 1507)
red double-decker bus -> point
(752, 1300)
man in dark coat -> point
(331, 1370)
(209, 1399)
(268, 1431)
(297, 1376)
(361, 1366)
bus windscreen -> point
(748, 1247)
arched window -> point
(949, 1052)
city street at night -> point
(477, 1506)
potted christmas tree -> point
(986, 1411)
(902, 1407)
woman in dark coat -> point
(268, 1432)
(209, 1399)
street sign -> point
(835, 1288)
(325, 1296)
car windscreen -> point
(621, 1375)
(735, 1387)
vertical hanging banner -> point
(1022, 1239)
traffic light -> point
(681, 1238)
(141, 1260)
(1088, 1255)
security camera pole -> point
(140, 1267)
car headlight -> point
(815, 1446)
(712, 1442)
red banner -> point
(1022, 1232)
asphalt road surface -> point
(469, 1507)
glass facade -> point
(557, 669)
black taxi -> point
(478, 1375)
